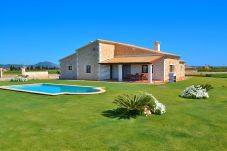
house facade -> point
(107, 60)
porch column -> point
(120, 72)
(150, 66)
(1, 72)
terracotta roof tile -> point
(134, 49)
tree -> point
(11, 68)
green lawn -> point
(217, 75)
(16, 72)
(31, 122)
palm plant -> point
(133, 104)
(208, 87)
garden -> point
(116, 120)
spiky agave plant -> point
(132, 103)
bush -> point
(207, 75)
(58, 72)
(133, 104)
(208, 87)
(156, 106)
(195, 92)
(19, 79)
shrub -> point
(208, 87)
(133, 104)
(207, 75)
(19, 79)
(195, 92)
(156, 106)
(58, 72)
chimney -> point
(157, 45)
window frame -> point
(146, 71)
(171, 68)
(70, 67)
(88, 70)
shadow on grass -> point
(120, 113)
(193, 98)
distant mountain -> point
(46, 64)
(8, 65)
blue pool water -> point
(54, 89)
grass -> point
(217, 75)
(15, 72)
(78, 122)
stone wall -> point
(158, 70)
(35, 75)
(88, 55)
(179, 69)
(104, 72)
(64, 67)
(7, 77)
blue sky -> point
(47, 30)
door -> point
(126, 70)
(111, 72)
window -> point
(171, 68)
(88, 69)
(144, 68)
(70, 67)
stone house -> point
(107, 60)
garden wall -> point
(35, 75)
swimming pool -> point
(54, 89)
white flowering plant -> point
(19, 79)
(156, 106)
(136, 104)
(195, 92)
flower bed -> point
(195, 92)
(19, 79)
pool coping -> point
(102, 90)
